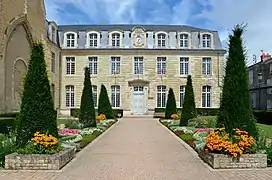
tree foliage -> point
(171, 106)
(104, 105)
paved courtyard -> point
(137, 149)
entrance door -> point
(138, 102)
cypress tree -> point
(171, 106)
(104, 105)
(188, 107)
(37, 109)
(87, 111)
(235, 110)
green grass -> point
(265, 130)
(61, 121)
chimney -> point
(265, 56)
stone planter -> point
(221, 161)
(17, 161)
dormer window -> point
(70, 39)
(93, 40)
(54, 32)
(206, 40)
(161, 40)
(115, 40)
(183, 40)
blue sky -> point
(220, 15)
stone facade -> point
(16, 161)
(221, 161)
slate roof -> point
(129, 27)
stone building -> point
(260, 80)
(136, 63)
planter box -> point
(221, 161)
(17, 161)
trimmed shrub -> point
(104, 105)
(37, 108)
(235, 110)
(8, 125)
(171, 106)
(87, 111)
(188, 110)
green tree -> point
(104, 105)
(87, 111)
(37, 109)
(171, 106)
(188, 107)
(235, 110)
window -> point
(183, 40)
(253, 100)
(206, 96)
(53, 62)
(70, 40)
(161, 96)
(206, 40)
(138, 65)
(70, 96)
(184, 66)
(270, 69)
(115, 65)
(251, 76)
(115, 40)
(161, 65)
(94, 88)
(70, 65)
(93, 65)
(53, 92)
(161, 40)
(115, 96)
(181, 95)
(93, 39)
(206, 66)
(53, 29)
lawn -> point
(265, 130)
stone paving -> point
(137, 149)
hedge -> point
(8, 125)
(200, 111)
(263, 117)
(76, 111)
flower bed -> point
(220, 149)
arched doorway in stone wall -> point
(16, 56)
(19, 72)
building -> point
(136, 63)
(260, 80)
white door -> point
(138, 103)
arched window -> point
(161, 40)
(183, 40)
(206, 40)
(115, 39)
(70, 39)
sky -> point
(219, 15)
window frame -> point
(206, 40)
(89, 39)
(181, 95)
(161, 68)
(163, 97)
(71, 60)
(116, 39)
(95, 95)
(115, 96)
(70, 39)
(185, 61)
(115, 65)
(184, 40)
(138, 65)
(208, 66)
(93, 65)
(69, 96)
(53, 62)
(208, 98)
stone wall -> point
(221, 161)
(17, 161)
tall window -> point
(53, 92)
(53, 62)
(70, 40)
(161, 65)
(70, 65)
(115, 96)
(206, 40)
(161, 40)
(206, 66)
(181, 95)
(115, 65)
(93, 65)
(161, 96)
(184, 66)
(138, 65)
(206, 96)
(93, 39)
(183, 40)
(251, 73)
(53, 33)
(94, 88)
(70, 96)
(115, 40)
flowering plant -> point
(101, 117)
(199, 130)
(219, 141)
(41, 144)
(69, 131)
(175, 116)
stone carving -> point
(138, 37)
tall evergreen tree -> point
(188, 107)
(104, 105)
(171, 106)
(87, 111)
(235, 110)
(37, 109)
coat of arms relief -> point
(138, 37)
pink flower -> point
(202, 130)
(69, 131)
